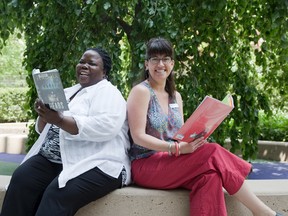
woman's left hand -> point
(186, 148)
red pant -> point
(204, 173)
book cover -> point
(205, 119)
(50, 89)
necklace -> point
(69, 100)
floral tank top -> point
(159, 124)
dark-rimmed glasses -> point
(156, 60)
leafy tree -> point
(221, 46)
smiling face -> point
(159, 61)
(159, 66)
(90, 69)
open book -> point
(205, 119)
(50, 89)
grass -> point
(7, 168)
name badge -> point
(174, 105)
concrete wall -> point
(135, 201)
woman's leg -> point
(204, 172)
(252, 202)
(27, 185)
(77, 193)
(206, 196)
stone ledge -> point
(14, 128)
(267, 150)
(13, 143)
(277, 151)
(136, 201)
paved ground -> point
(269, 170)
(261, 170)
(14, 158)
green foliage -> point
(11, 57)
(12, 105)
(273, 127)
(221, 46)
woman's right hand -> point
(186, 148)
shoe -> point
(278, 214)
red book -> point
(205, 119)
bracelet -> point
(177, 149)
(169, 148)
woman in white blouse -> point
(81, 154)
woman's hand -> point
(186, 148)
(47, 115)
(67, 123)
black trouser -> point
(34, 190)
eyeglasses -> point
(156, 60)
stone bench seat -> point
(136, 201)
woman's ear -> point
(146, 65)
(105, 74)
(173, 63)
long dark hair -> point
(163, 47)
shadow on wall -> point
(274, 151)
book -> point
(205, 119)
(50, 89)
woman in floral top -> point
(155, 113)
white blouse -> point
(101, 116)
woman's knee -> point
(19, 178)
(208, 180)
(212, 146)
(209, 149)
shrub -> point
(12, 103)
(274, 127)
